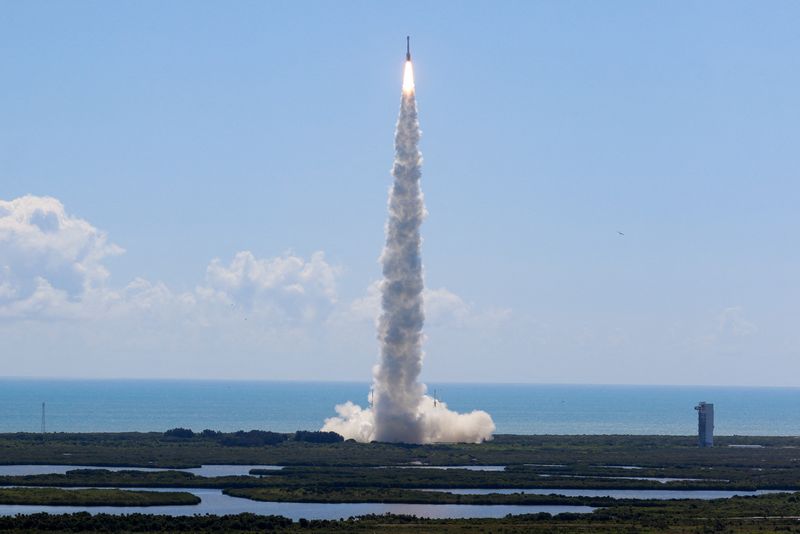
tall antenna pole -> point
(43, 427)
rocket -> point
(408, 48)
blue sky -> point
(189, 132)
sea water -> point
(157, 405)
(213, 501)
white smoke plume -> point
(401, 412)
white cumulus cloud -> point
(287, 285)
(248, 314)
(49, 260)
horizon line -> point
(367, 382)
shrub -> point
(253, 438)
(179, 433)
(317, 437)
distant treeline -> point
(254, 438)
(86, 522)
(249, 523)
(94, 497)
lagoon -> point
(215, 502)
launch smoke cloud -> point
(401, 411)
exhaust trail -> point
(401, 411)
(396, 389)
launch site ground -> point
(492, 473)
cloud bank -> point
(248, 316)
(51, 266)
(63, 312)
(50, 261)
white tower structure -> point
(705, 424)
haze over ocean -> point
(157, 405)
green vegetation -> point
(342, 477)
(322, 468)
(533, 461)
(208, 447)
(94, 497)
(317, 437)
(253, 438)
(360, 477)
(746, 515)
(156, 449)
(85, 522)
(129, 479)
(182, 433)
(394, 495)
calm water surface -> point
(466, 467)
(214, 502)
(157, 405)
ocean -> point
(157, 405)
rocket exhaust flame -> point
(400, 411)
(408, 78)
